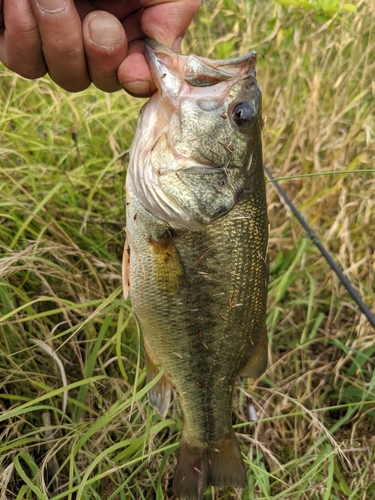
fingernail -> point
(177, 44)
(52, 6)
(139, 87)
(104, 31)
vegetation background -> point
(74, 418)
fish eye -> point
(243, 114)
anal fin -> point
(159, 396)
(258, 360)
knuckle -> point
(66, 52)
(69, 48)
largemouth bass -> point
(195, 261)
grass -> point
(74, 418)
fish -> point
(196, 253)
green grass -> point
(74, 418)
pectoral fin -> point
(126, 269)
(167, 266)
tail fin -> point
(218, 463)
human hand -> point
(82, 41)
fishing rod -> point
(344, 280)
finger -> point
(2, 25)
(118, 8)
(167, 22)
(60, 29)
(106, 47)
(20, 44)
(134, 73)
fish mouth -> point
(152, 46)
(160, 59)
(169, 68)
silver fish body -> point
(195, 261)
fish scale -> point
(199, 308)
(196, 261)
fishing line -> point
(344, 280)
